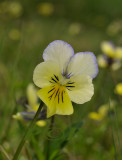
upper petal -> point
(46, 73)
(59, 52)
(80, 88)
(83, 63)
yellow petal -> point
(57, 100)
(17, 116)
(95, 116)
(44, 72)
(119, 52)
(101, 61)
(103, 110)
(108, 49)
(31, 95)
(118, 89)
(81, 90)
(45, 8)
(35, 108)
(41, 123)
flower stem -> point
(48, 140)
(29, 129)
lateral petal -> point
(80, 89)
(84, 63)
(46, 73)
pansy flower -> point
(64, 77)
(32, 106)
(111, 56)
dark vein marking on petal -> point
(56, 77)
(53, 79)
(70, 86)
(51, 82)
(62, 97)
(68, 89)
(51, 90)
(56, 93)
(51, 95)
(58, 97)
(70, 82)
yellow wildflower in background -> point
(32, 107)
(14, 34)
(15, 9)
(11, 9)
(102, 111)
(64, 77)
(111, 56)
(118, 89)
(46, 9)
(74, 28)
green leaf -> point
(61, 141)
(37, 148)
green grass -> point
(18, 58)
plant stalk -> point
(48, 138)
(29, 129)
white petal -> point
(59, 52)
(83, 63)
(44, 72)
(83, 89)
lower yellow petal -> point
(57, 100)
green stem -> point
(48, 140)
(29, 129)
(4, 153)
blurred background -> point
(26, 28)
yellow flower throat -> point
(58, 88)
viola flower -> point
(64, 77)
(111, 56)
(32, 107)
(118, 89)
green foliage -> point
(23, 38)
(61, 141)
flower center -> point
(58, 88)
(62, 83)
